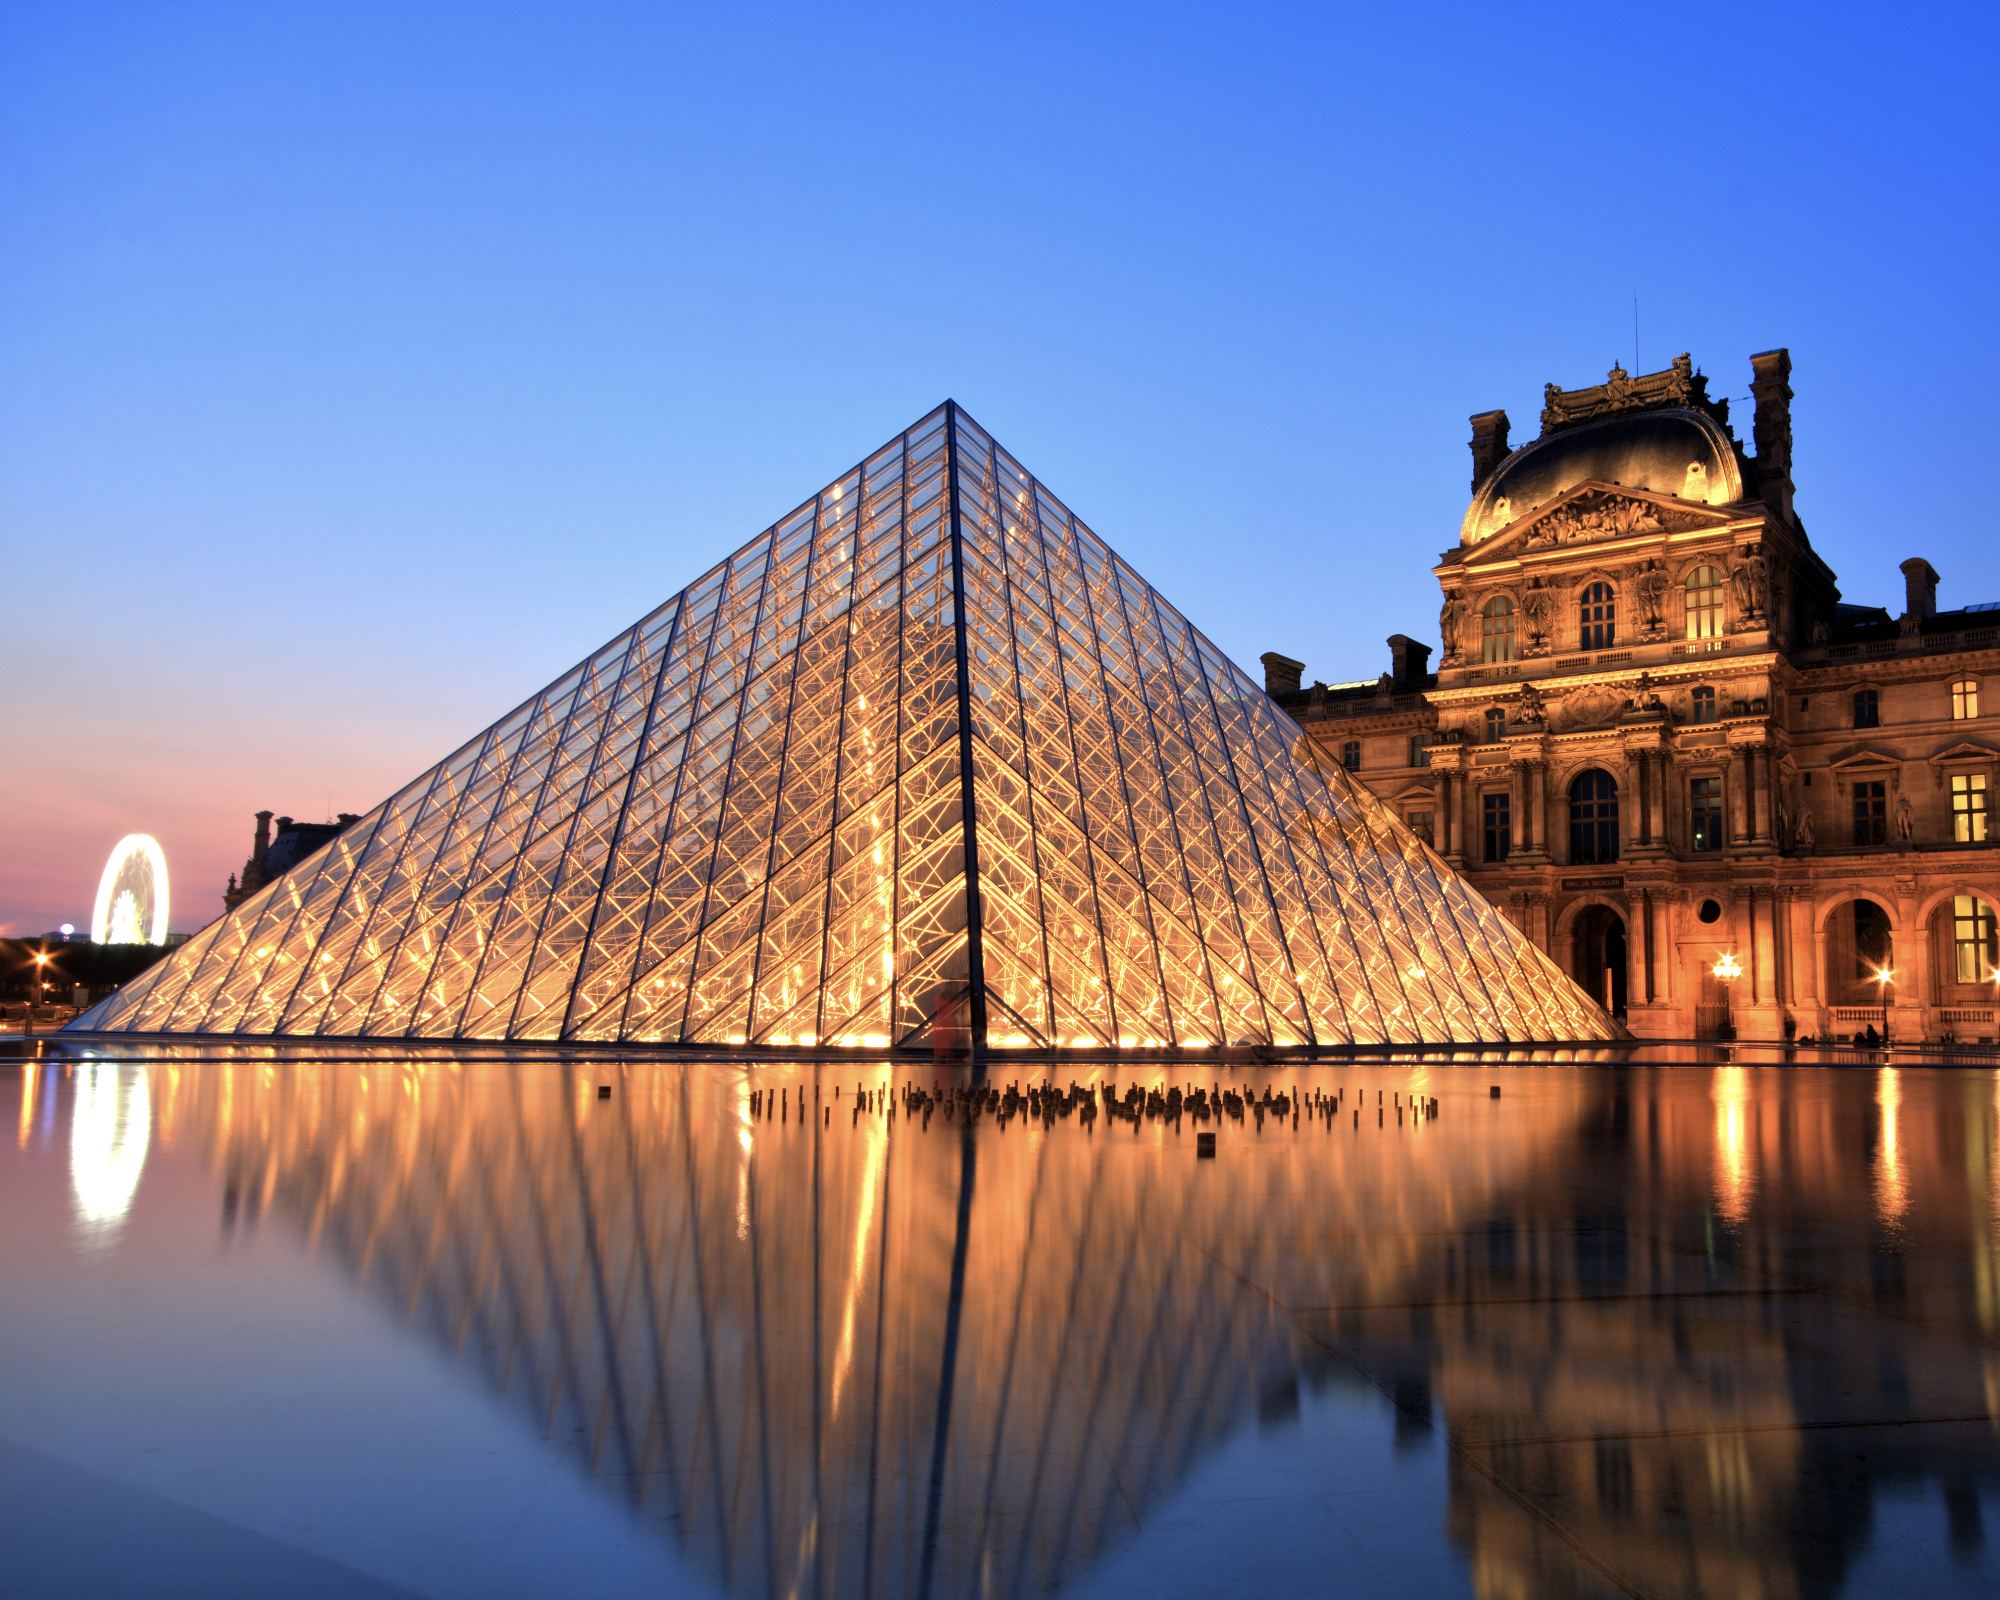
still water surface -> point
(360, 1326)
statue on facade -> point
(1822, 631)
(1532, 710)
(1450, 621)
(1752, 575)
(1802, 832)
(1537, 603)
(1906, 818)
(1652, 592)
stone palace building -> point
(1661, 743)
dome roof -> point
(1676, 450)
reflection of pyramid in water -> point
(754, 817)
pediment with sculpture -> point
(1592, 513)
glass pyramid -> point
(925, 752)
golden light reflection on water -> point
(690, 1297)
(110, 1129)
(1735, 1168)
(1892, 1185)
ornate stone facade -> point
(1660, 742)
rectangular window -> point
(1871, 813)
(1350, 755)
(1705, 807)
(1499, 826)
(1704, 704)
(1965, 700)
(1420, 750)
(1867, 714)
(1975, 941)
(1968, 807)
(1420, 824)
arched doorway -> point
(1598, 946)
(1861, 979)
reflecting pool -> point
(369, 1323)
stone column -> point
(1517, 812)
(1805, 968)
(1635, 951)
(1447, 837)
(1735, 781)
(1645, 906)
(1468, 815)
(1760, 796)
(1538, 804)
(1663, 777)
(1628, 796)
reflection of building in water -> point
(874, 1358)
(1682, 1333)
(1654, 1314)
(110, 1127)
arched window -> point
(1704, 603)
(1350, 755)
(1496, 725)
(1593, 817)
(1704, 704)
(1497, 630)
(1600, 618)
(1965, 700)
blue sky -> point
(363, 366)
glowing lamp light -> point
(132, 894)
(1727, 967)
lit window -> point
(1420, 750)
(1350, 755)
(1496, 725)
(1965, 700)
(1704, 704)
(1704, 603)
(1497, 630)
(1867, 710)
(1975, 939)
(1593, 817)
(1600, 618)
(1871, 813)
(1499, 826)
(1968, 807)
(1705, 806)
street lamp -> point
(1883, 977)
(1727, 970)
(36, 988)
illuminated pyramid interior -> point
(925, 752)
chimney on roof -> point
(1772, 471)
(1281, 673)
(1412, 663)
(1920, 582)
(1489, 445)
(260, 852)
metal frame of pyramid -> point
(924, 763)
